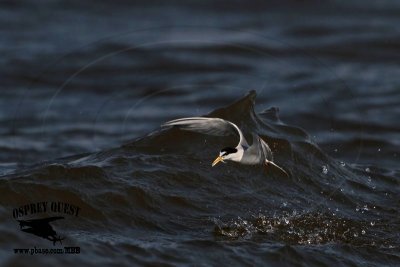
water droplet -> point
(372, 223)
(355, 235)
(367, 169)
(363, 232)
(335, 150)
(379, 150)
(341, 190)
(342, 164)
(325, 169)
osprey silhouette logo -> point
(41, 225)
(42, 228)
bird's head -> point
(227, 153)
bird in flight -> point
(258, 153)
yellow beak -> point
(215, 162)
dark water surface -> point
(85, 86)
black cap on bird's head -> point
(227, 150)
(223, 153)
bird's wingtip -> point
(278, 168)
(166, 125)
(169, 123)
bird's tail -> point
(280, 169)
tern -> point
(258, 153)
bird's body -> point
(258, 153)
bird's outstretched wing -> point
(266, 150)
(260, 150)
(211, 126)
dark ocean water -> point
(85, 86)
